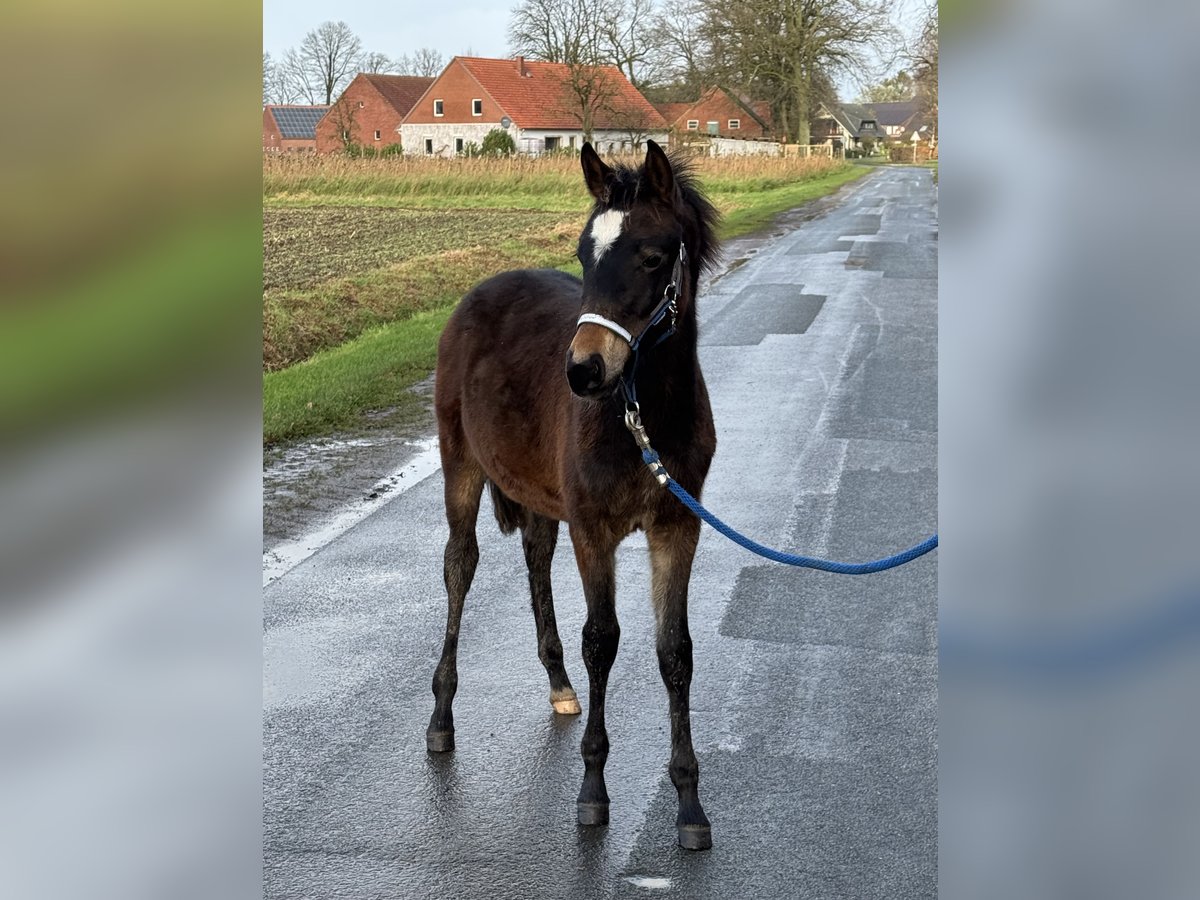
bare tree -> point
(329, 55)
(276, 86)
(787, 50)
(296, 81)
(924, 58)
(343, 115)
(376, 63)
(680, 46)
(569, 32)
(632, 121)
(428, 62)
(630, 40)
(559, 31)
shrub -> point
(497, 142)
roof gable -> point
(673, 112)
(758, 110)
(400, 91)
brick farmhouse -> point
(533, 102)
(287, 127)
(369, 112)
(720, 113)
(859, 126)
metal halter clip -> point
(633, 421)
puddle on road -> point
(308, 482)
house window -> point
(552, 143)
(571, 142)
(345, 135)
(429, 146)
(458, 145)
(735, 124)
(693, 124)
(439, 108)
(714, 127)
(477, 107)
(377, 134)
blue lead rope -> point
(790, 559)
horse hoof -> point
(566, 704)
(695, 837)
(592, 813)
(439, 741)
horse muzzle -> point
(595, 361)
(586, 376)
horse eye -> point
(652, 262)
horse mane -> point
(692, 205)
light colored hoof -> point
(566, 704)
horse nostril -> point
(585, 377)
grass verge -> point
(331, 389)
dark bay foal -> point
(529, 402)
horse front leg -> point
(595, 554)
(672, 547)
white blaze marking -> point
(606, 228)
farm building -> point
(533, 102)
(369, 111)
(291, 127)
(721, 113)
(857, 126)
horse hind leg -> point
(539, 535)
(464, 485)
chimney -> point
(521, 66)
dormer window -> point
(439, 107)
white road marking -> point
(606, 228)
(651, 883)
(286, 556)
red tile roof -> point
(539, 96)
(672, 112)
(401, 91)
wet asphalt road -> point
(814, 697)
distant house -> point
(533, 102)
(291, 127)
(720, 113)
(857, 126)
(369, 111)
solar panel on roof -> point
(298, 122)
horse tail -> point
(509, 513)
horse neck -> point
(669, 374)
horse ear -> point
(659, 174)
(595, 173)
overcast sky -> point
(452, 27)
(397, 27)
